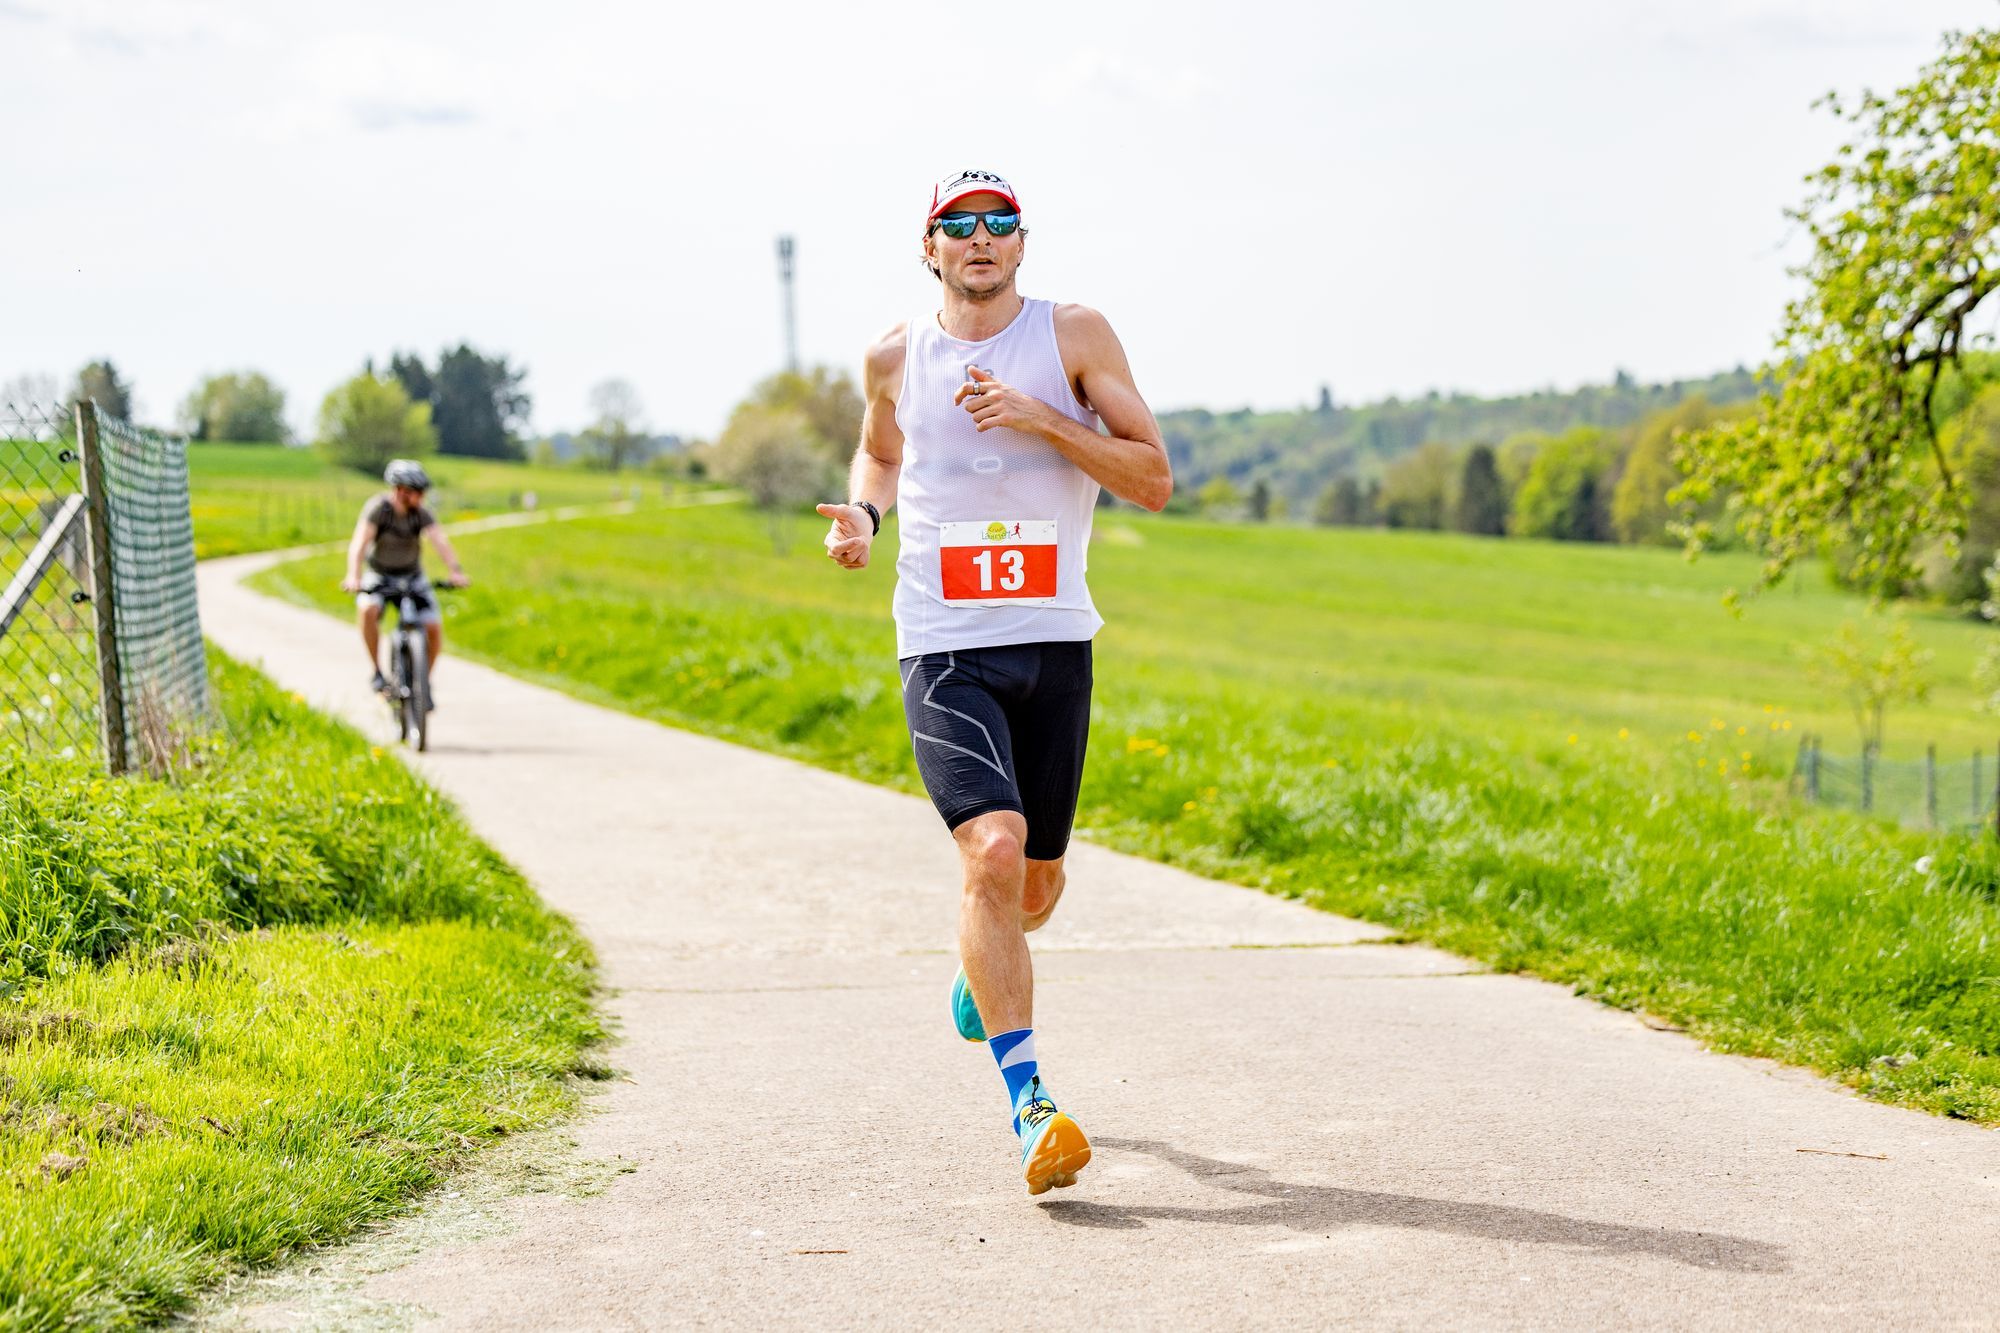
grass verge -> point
(251, 1008)
(1556, 760)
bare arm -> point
(442, 544)
(1130, 461)
(878, 462)
(357, 547)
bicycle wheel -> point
(417, 699)
(399, 699)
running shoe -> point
(964, 1012)
(1053, 1148)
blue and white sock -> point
(1014, 1052)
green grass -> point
(254, 497)
(252, 1007)
(1528, 753)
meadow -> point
(1561, 759)
(254, 497)
(252, 1005)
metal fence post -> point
(103, 596)
(1812, 770)
(1930, 786)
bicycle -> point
(409, 669)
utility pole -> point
(791, 311)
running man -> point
(983, 420)
(389, 534)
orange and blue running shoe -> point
(1053, 1148)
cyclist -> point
(389, 535)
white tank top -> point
(981, 482)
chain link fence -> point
(1916, 793)
(100, 635)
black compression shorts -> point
(1003, 729)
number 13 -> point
(1013, 570)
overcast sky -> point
(1262, 197)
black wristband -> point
(873, 513)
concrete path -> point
(1316, 1130)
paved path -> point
(1319, 1130)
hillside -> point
(1301, 452)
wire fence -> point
(100, 635)
(48, 653)
(1917, 793)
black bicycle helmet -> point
(407, 472)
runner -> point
(389, 534)
(983, 420)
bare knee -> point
(992, 850)
(371, 618)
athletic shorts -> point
(1003, 729)
(375, 593)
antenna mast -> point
(785, 268)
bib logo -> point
(995, 531)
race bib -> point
(997, 563)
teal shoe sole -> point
(964, 1012)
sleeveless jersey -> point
(954, 474)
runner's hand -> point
(350, 584)
(850, 536)
(459, 580)
(992, 403)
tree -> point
(615, 439)
(1905, 230)
(1515, 456)
(1871, 679)
(772, 453)
(826, 398)
(410, 373)
(1325, 407)
(99, 383)
(1972, 443)
(1339, 504)
(32, 390)
(1566, 496)
(1641, 507)
(1220, 499)
(1260, 501)
(369, 420)
(1417, 488)
(241, 406)
(478, 402)
(1482, 497)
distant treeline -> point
(1603, 475)
(1298, 455)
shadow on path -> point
(1322, 1209)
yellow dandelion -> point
(1187, 805)
(374, 752)
(1624, 733)
(1746, 756)
(1788, 724)
(1767, 708)
(1572, 738)
(1695, 736)
(1159, 749)
(1717, 723)
(1331, 763)
(1743, 731)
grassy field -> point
(254, 497)
(252, 1007)
(1561, 759)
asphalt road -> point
(1294, 1126)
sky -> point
(1262, 197)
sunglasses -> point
(958, 226)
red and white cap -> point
(954, 188)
